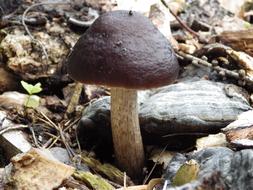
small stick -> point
(75, 98)
(78, 143)
(6, 129)
(84, 24)
(184, 134)
(124, 179)
(47, 143)
(61, 133)
(165, 184)
(34, 137)
(45, 121)
(195, 34)
(59, 129)
(55, 140)
(154, 166)
(68, 148)
(197, 61)
(49, 120)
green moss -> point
(93, 181)
(106, 170)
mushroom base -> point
(126, 133)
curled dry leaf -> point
(161, 157)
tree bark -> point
(126, 133)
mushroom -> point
(125, 51)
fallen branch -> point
(197, 61)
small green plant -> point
(32, 100)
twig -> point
(58, 128)
(55, 140)
(84, 24)
(34, 137)
(45, 121)
(68, 148)
(125, 180)
(197, 61)
(6, 129)
(78, 143)
(154, 166)
(69, 124)
(74, 99)
(53, 136)
(195, 34)
(184, 134)
(47, 143)
(61, 133)
(28, 31)
(165, 184)
(49, 120)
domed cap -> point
(123, 49)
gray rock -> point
(61, 154)
(241, 170)
(231, 170)
(214, 159)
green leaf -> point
(32, 101)
(31, 89)
(36, 88)
(186, 173)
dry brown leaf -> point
(37, 169)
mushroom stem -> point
(126, 133)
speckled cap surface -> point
(123, 49)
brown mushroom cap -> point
(123, 49)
